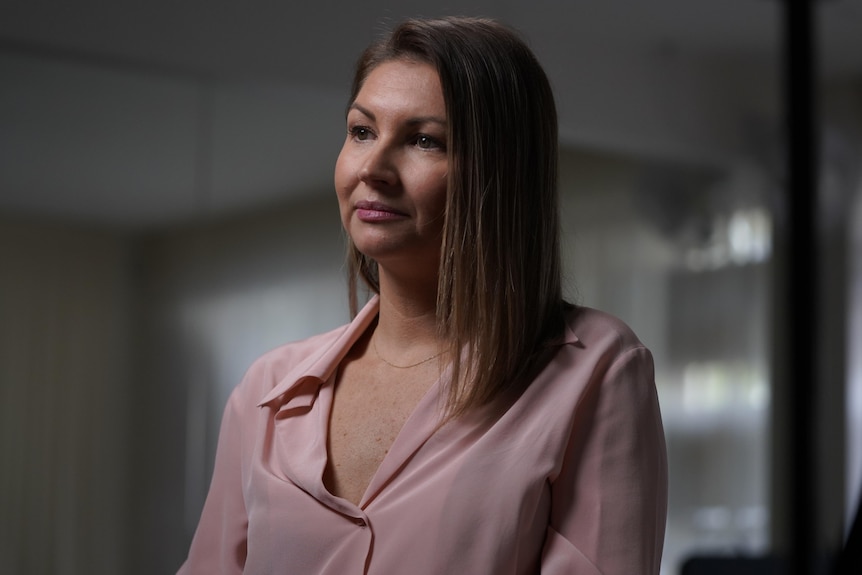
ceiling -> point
(139, 114)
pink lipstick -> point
(377, 212)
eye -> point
(360, 133)
(426, 142)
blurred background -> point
(167, 215)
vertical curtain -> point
(63, 386)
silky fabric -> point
(566, 476)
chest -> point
(482, 481)
(370, 407)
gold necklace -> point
(389, 363)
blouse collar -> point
(323, 361)
(319, 366)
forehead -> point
(403, 85)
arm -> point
(219, 544)
(609, 501)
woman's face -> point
(391, 174)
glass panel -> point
(682, 254)
(839, 93)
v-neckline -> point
(418, 427)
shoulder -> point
(606, 347)
(600, 372)
(597, 329)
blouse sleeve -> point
(609, 500)
(219, 543)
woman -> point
(467, 420)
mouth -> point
(377, 212)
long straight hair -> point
(499, 296)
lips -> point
(377, 212)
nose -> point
(379, 166)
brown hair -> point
(499, 297)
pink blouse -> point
(569, 477)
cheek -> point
(344, 180)
(340, 173)
(436, 196)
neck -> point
(407, 323)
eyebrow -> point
(413, 121)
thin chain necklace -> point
(389, 363)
